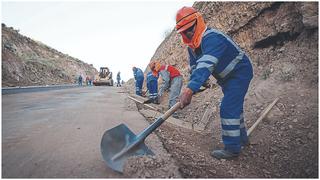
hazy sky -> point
(117, 34)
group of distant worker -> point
(211, 52)
(88, 81)
(171, 80)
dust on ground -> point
(159, 166)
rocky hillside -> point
(281, 38)
(26, 62)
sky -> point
(116, 34)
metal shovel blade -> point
(118, 139)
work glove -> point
(185, 97)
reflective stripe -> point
(235, 61)
(209, 58)
(224, 35)
(230, 121)
(231, 66)
(207, 61)
(205, 65)
(232, 133)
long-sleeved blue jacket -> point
(138, 74)
(217, 55)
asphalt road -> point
(57, 134)
(25, 89)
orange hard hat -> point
(187, 17)
(155, 65)
(184, 18)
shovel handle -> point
(158, 122)
(173, 109)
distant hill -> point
(26, 62)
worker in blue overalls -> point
(152, 86)
(139, 77)
(212, 52)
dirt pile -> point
(281, 39)
(151, 167)
(26, 62)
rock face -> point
(26, 62)
(261, 29)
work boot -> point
(156, 101)
(223, 154)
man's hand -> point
(185, 97)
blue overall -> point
(152, 85)
(219, 56)
(139, 77)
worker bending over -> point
(139, 77)
(171, 79)
(212, 52)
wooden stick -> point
(265, 112)
(140, 102)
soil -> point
(285, 144)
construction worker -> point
(80, 80)
(152, 86)
(211, 52)
(118, 79)
(87, 80)
(139, 77)
(171, 78)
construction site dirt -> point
(279, 147)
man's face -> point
(189, 32)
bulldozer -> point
(104, 78)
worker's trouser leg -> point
(139, 83)
(175, 89)
(243, 132)
(153, 89)
(231, 113)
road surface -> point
(57, 134)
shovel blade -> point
(115, 140)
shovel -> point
(120, 143)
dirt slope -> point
(26, 62)
(282, 41)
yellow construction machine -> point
(104, 78)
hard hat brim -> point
(186, 26)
